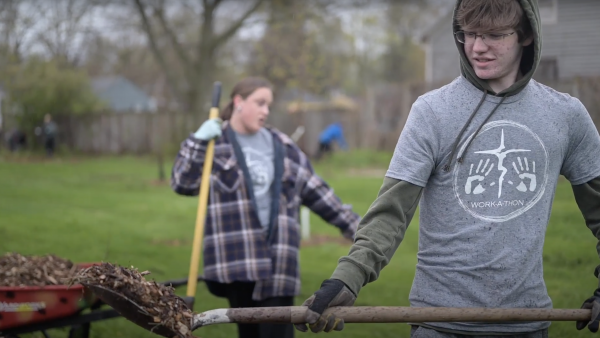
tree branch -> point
(159, 14)
(190, 7)
(223, 37)
(155, 51)
(86, 6)
(214, 4)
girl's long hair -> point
(244, 88)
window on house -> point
(548, 11)
(547, 70)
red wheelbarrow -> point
(37, 309)
(33, 304)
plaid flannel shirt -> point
(235, 245)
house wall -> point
(122, 95)
(444, 60)
(573, 40)
(570, 43)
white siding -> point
(572, 38)
(445, 60)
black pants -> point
(49, 144)
(18, 140)
(324, 148)
(239, 294)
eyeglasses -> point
(490, 39)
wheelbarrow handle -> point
(388, 314)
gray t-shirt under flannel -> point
(258, 153)
(482, 224)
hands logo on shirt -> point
(504, 175)
(527, 174)
(479, 176)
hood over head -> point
(529, 61)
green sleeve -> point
(587, 196)
(379, 233)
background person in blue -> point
(333, 133)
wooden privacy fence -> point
(142, 133)
(375, 122)
(138, 133)
(385, 111)
(386, 108)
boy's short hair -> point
(493, 15)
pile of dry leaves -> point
(158, 300)
(18, 270)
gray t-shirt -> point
(258, 152)
(482, 223)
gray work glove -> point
(333, 292)
(592, 303)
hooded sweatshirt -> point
(483, 168)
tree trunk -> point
(200, 92)
(199, 66)
(205, 66)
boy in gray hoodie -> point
(481, 156)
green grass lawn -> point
(112, 209)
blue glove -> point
(210, 129)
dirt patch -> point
(19, 270)
(159, 301)
(317, 240)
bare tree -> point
(196, 53)
(18, 18)
(304, 46)
(66, 27)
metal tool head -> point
(130, 310)
(216, 95)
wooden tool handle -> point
(391, 314)
(203, 199)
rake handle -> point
(390, 314)
(202, 202)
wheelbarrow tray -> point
(34, 304)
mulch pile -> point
(158, 300)
(17, 270)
